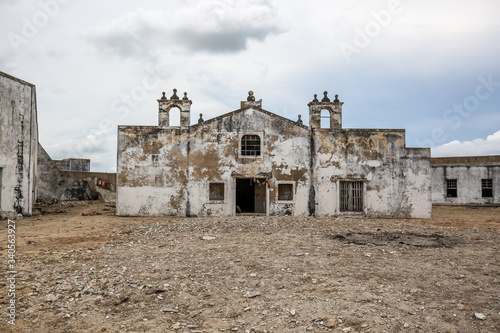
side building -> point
(466, 180)
(251, 161)
(18, 146)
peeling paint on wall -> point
(315, 160)
(18, 145)
(470, 173)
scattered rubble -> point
(262, 274)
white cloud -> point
(476, 147)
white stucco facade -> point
(208, 168)
(466, 180)
(18, 146)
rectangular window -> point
(451, 188)
(285, 192)
(216, 192)
(487, 188)
(351, 196)
(154, 159)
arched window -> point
(174, 115)
(325, 119)
(250, 145)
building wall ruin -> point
(18, 146)
(65, 181)
(253, 161)
(466, 180)
(73, 164)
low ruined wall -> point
(54, 184)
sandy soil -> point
(102, 273)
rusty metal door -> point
(260, 198)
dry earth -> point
(102, 273)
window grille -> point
(351, 196)
(487, 188)
(250, 145)
(451, 188)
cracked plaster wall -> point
(469, 190)
(167, 170)
(18, 146)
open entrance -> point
(250, 196)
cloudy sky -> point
(430, 67)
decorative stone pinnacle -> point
(315, 98)
(336, 99)
(201, 118)
(163, 95)
(185, 98)
(299, 121)
(325, 99)
(251, 97)
(174, 96)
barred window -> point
(487, 188)
(285, 192)
(216, 192)
(451, 188)
(250, 145)
(351, 196)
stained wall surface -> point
(73, 164)
(18, 145)
(470, 174)
(62, 185)
(166, 170)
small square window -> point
(250, 145)
(154, 159)
(216, 192)
(285, 192)
(451, 188)
(487, 188)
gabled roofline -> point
(211, 120)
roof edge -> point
(466, 160)
(16, 79)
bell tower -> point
(334, 111)
(165, 105)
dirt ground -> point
(95, 272)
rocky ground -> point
(81, 269)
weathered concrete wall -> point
(55, 184)
(468, 171)
(165, 170)
(18, 145)
(396, 179)
(73, 164)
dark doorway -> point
(250, 196)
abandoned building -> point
(251, 161)
(18, 146)
(466, 180)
